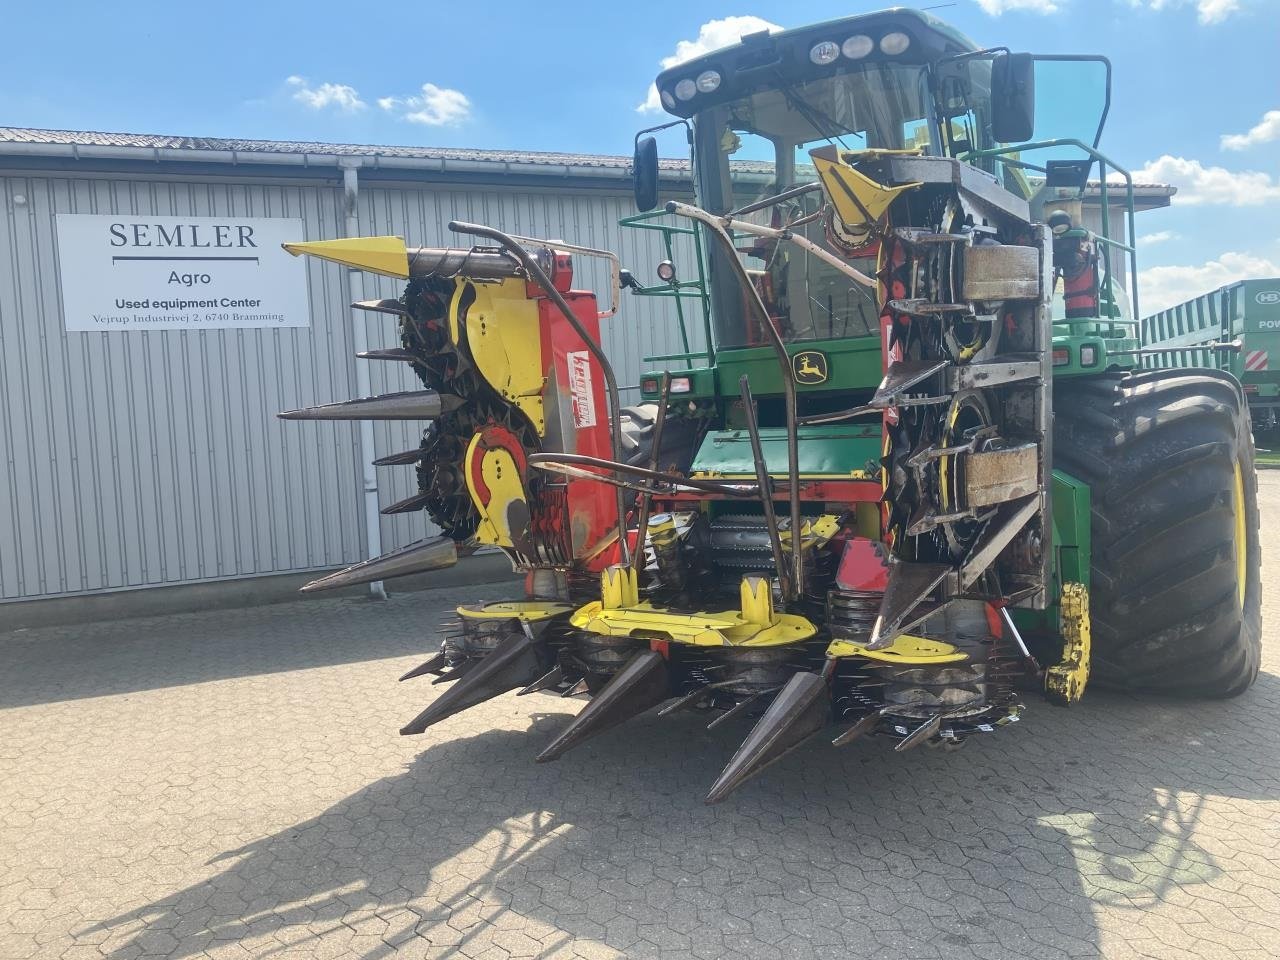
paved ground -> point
(232, 784)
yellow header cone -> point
(860, 202)
(385, 255)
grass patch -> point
(1269, 458)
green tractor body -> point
(754, 111)
(911, 461)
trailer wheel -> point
(1176, 591)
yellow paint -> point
(813, 533)
(810, 367)
(906, 649)
(1239, 514)
(757, 600)
(384, 255)
(504, 336)
(842, 183)
(944, 470)
(700, 629)
(619, 588)
(620, 613)
(1064, 682)
(506, 486)
(867, 519)
(527, 611)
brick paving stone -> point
(231, 784)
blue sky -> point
(554, 76)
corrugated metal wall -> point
(151, 458)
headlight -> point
(708, 81)
(685, 89)
(857, 46)
(894, 43)
(681, 384)
(824, 53)
(668, 100)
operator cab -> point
(897, 80)
(758, 109)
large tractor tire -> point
(680, 438)
(1175, 591)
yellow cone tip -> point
(383, 255)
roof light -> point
(666, 271)
(708, 81)
(668, 100)
(685, 89)
(894, 43)
(857, 46)
(824, 52)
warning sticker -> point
(584, 401)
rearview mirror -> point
(1013, 97)
(645, 169)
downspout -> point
(360, 337)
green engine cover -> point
(835, 451)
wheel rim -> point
(1241, 535)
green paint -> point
(853, 363)
(1072, 546)
(835, 450)
(702, 385)
(1248, 311)
(1072, 552)
(1098, 346)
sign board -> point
(180, 273)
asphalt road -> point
(232, 784)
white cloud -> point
(1160, 236)
(1264, 132)
(1215, 11)
(997, 7)
(341, 97)
(1208, 11)
(712, 35)
(1199, 185)
(1163, 287)
(434, 107)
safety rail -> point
(678, 290)
(998, 153)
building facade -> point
(148, 458)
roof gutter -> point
(332, 161)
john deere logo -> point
(810, 366)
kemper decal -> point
(584, 401)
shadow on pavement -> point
(50, 664)
(1009, 847)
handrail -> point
(1103, 163)
(678, 290)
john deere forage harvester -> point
(918, 468)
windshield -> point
(758, 146)
(1071, 101)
